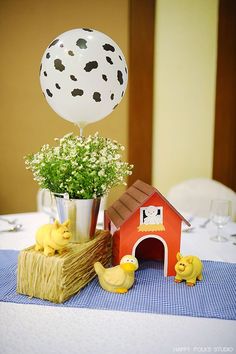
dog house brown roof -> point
(133, 199)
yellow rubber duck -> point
(120, 278)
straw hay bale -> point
(58, 277)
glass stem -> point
(219, 232)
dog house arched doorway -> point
(152, 247)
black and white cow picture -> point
(83, 75)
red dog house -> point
(143, 223)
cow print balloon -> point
(83, 75)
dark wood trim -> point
(141, 57)
(224, 162)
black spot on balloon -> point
(112, 96)
(91, 65)
(45, 73)
(48, 55)
(71, 53)
(61, 45)
(82, 43)
(115, 106)
(49, 93)
(120, 77)
(77, 92)
(126, 70)
(53, 43)
(122, 94)
(40, 68)
(104, 77)
(57, 86)
(58, 65)
(108, 47)
(120, 58)
(97, 97)
(88, 29)
(108, 59)
(73, 78)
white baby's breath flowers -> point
(84, 167)
(101, 173)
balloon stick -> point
(81, 128)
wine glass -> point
(220, 213)
(46, 204)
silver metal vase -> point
(83, 214)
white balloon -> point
(83, 75)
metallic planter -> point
(83, 214)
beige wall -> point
(27, 122)
(185, 76)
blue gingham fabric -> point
(213, 297)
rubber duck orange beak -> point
(128, 267)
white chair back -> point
(194, 196)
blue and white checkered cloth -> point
(213, 297)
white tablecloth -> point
(30, 329)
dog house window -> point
(151, 215)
